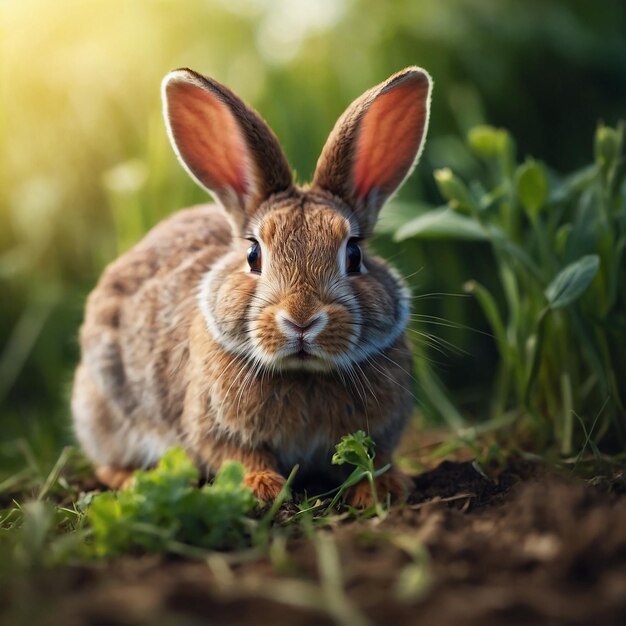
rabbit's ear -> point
(225, 145)
(376, 143)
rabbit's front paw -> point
(395, 484)
(265, 484)
(114, 477)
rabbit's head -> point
(297, 289)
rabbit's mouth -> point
(301, 354)
(303, 359)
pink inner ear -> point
(390, 136)
(208, 138)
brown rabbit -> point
(258, 330)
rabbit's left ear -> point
(376, 143)
(224, 144)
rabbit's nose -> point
(311, 327)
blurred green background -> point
(85, 167)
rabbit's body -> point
(270, 361)
(130, 386)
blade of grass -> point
(262, 531)
(54, 473)
(536, 358)
(588, 434)
(437, 395)
(23, 338)
(568, 409)
(337, 602)
(490, 309)
(9, 484)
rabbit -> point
(258, 329)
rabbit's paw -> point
(395, 484)
(265, 484)
(114, 477)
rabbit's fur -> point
(184, 344)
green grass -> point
(165, 512)
(58, 522)
(558, 309)
(162, 511)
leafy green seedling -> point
(165, 509)
(358, 449)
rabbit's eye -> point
(353, 257)
(254, 257)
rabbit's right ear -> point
(225, 145)
(375, 144)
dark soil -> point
(532, 547)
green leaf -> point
(175, 466)
(532, 187)
(489, 142)
(395, 214)
(165, 508)
(574, 183)
(561, 238)
(571, 282)
(442, 223)
(356, 449)
(230, 475)
(607, 146)
(494, 143)
(454, 190)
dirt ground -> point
(532, 548)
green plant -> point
(357, 449)
(165, 510)
(559, 320)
